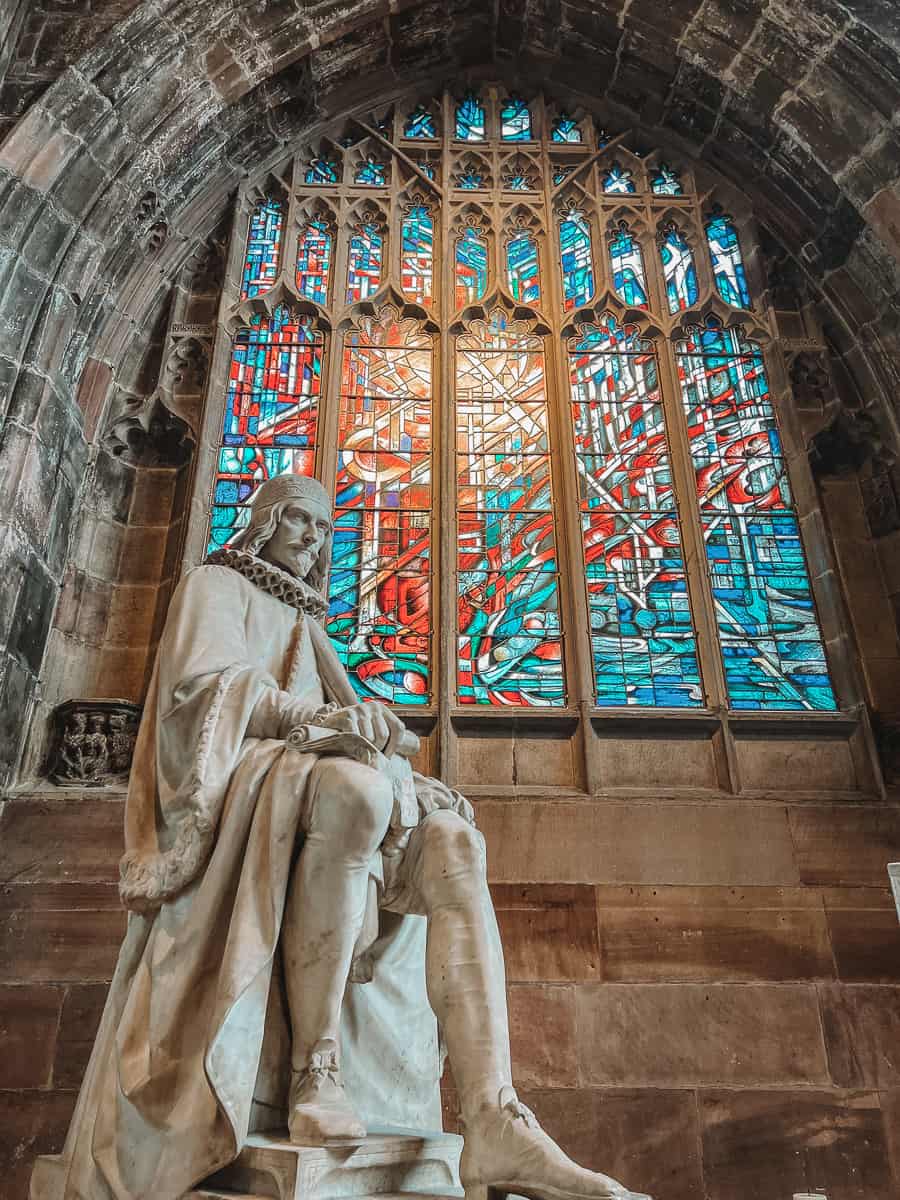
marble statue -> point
(302, 907)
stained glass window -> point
(566, 129)
(518, 181)
(471, 267)
(770, 640)
(370, 173)
(365, 262)
(665, 182)
(263, 248)
(642, 636)
(470, 180)
(420, 124)
(522, 269)
(426, 167)
(727, 263)
(679, 272)
(379, 615)
(321, 170)
(417, 249)
(577, 262)
(515, 121)
(561, 173)
(271, 411)
(618, 182)
(470, 120)
(314, 262)
(627, 265)
(509, 634)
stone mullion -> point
(576, 625)
(700, 593)
(205, 458)
(444, 648)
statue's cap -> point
(290, 487)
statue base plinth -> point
(269, 1167)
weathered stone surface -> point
(48, 945)
(784, 1142)
(862, 1032)
(596, 842)
(866, 944)
(845, 844)
(55, 840)
(542, 1035)
(29, 1016)
(739, 1035)
(549, 932)
(647, 1139)
(33, 1123)
(80, 1016)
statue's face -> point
(301, 534)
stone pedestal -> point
(384, 1164)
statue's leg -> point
(505, 1147)
(346, 820)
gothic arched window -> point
(509, 343)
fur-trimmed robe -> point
(192, 1050)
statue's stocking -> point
(464, 967)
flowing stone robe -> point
(193, 1051)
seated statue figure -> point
(280, 852)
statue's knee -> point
(451, 846)
(354, 806)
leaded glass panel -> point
(471, 267)
(627, 265)
(727, 262)
(365, 261)
(772, 649)
(263, 249)
(522, 269)
(679, 272)
(417, 250)
(314, 262)
(470, 120)
(577, 261)
(515, 121)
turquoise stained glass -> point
(577, 260)
(470, 181)
(420, 124)
(679, 272)
(471, 267)
(321, 170)
(314, 262)
(371, 173)
(769, 635)
(618, 182)
(417, 254)
(263, 249)
(515, 121)
(365, 262)
(665, 182)
(470, 120)
(627, 265)
(566, 129)
(522, 269)
(727, 262)
(642, 636)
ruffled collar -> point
(271, 579)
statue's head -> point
(290, 526)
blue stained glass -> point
(470, 181)
(679, 271)
(471, 268)
(365, 261)
(420, 124)
(322, 170)
(522, 269)
(515, 121)
(642, 636)
(426, 167)
(417, 254)
(768, 632)
(618, 182)
(470, 120)
(628, 269)
(727, 263)
(314, 262)
(518, 182)
(665, 182)
(370, 173)
(565, 129)
(577, 263)
(263, 249)
(561, 173)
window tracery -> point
(540, 268)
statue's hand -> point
(372, 721)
